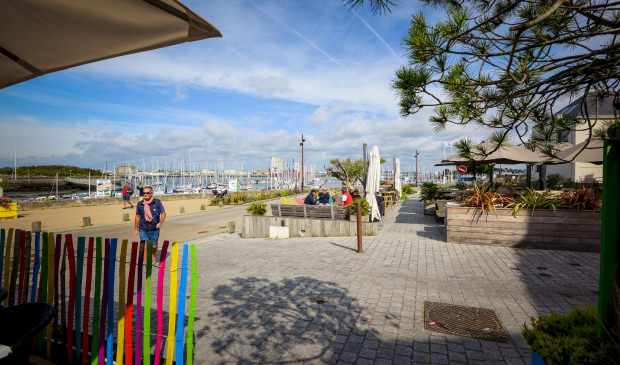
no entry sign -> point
(462, 169)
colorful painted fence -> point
(96, 300)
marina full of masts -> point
(194, 180)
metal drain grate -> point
(464, 321)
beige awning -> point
(507, 153)
(42, 36)
(591, 152)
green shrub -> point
(408, 189)
(429, 191)
(532, 200)
(364, 204)
(216, 201)
(570, 338)
(257, 208)
(461, 186)
(404, 196)
(554, 181)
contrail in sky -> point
(312, 44)
(378, 36)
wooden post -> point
(182, 209)
(36, 226)
(203, 206)
(86, 222)
(359, 227)
(125, 217)
(231, 227)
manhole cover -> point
(464, 321)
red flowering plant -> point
(5, 202)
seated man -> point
(324, 197)
(346, 197)
(311, 198)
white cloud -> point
(268, 86)
(324, 113)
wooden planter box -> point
(258, 227)
(560, 230)
(10, 212)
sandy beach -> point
(71, 218)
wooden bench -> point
(332, 212)
(440, 209)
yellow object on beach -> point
(9, 212)
(288, 201)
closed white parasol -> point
(397, 185)
(372, 183)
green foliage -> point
(570, 338)
(348, 171)
(364, 204)
(408, 189)
(429, 191)
(554, 181)
(247, 197)
(257, 208)
(50, 171)
(496, 64)
(531, 199)
(4, 183)
(462, 186)
(404, 196)
(484, 197)
(581, 199)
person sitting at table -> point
(324, 197)
(311, 198)
(346, 197)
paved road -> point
(257, 298)
(180, 228)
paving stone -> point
(348, 356)
(371, 344)
(368, 353)
(382, 361)
(260, 293)
(385, 353)
(439, 358)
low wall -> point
(546, 229)
(63, 203)
(258, 227)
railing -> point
(34, 268)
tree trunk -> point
(528, 176)
(542, 178)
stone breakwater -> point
(26, 205)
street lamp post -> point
(302, 161)
(416, 167)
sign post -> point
(462, 169)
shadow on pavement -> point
(294, 320)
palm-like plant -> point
(533, 200)
(581, 199)
(485, 197)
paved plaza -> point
(257, 298)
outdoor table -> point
(24, 321)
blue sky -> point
(282, 68)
